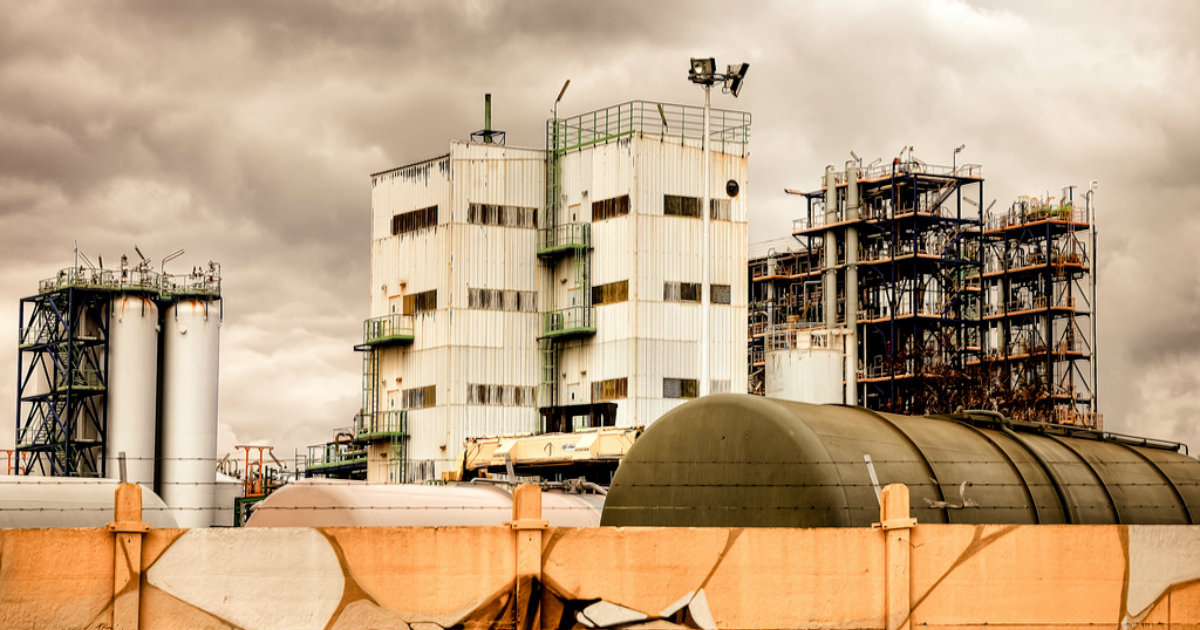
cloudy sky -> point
(244, 132)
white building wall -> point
(646, 339)
(455, 346)
(643, 339)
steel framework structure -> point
(62, 378)
(1037, 305)
(917, 310)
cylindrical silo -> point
(191, 345)
(132, 387)
(805, 366)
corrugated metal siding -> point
(643, 339)
(646, 339)
(455, 345)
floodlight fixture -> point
(733, 78)
(855, 156)
(702, 70)
(562, 91)
(959, 148)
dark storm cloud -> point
(244, 132)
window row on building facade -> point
(681, 206)
(418, 397)
(422, 302)
(502, 216)
(526, 217)
(414, 220)
(502, 300)
(690, 292)
(506, 395)
(610, 389)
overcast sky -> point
(244, 132)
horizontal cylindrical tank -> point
(191, 339)
(132, 387)
(340, 503)
(746, 461)
(37, 502)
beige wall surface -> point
(527, 575)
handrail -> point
(390, 326)
(387, 422)
(564, 236)
(568, 318)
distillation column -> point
(830, 244)
(851, 283)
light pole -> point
(703, 72)
(1091, 210)
(954, 160)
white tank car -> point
(132, 387)
(342, 503)
(37, 502)
(191, 349)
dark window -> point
(610, 389)
(419, 398)
(415, 220)
(681, 292)
(610, 293)
(678, 206)
(720, 209)
(721, 293)
(507, 395)
(503, 216)
(420, 302)
(680, 388)
(609, 208)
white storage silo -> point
(191, 346)
(132, 387)
(806, 366)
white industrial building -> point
(517, 290)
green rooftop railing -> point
(729, 131)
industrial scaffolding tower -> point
(62, 378)
(1036, 280)
(895, 250)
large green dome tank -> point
(745, 461)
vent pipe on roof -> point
(487, 118)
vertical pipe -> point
(830, 288)
(487, 118)
(705, 298)
(852, 215)
(1091, 209)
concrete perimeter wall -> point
(898, 575)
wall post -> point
(897, 524)
(528, 525)
(127, 528)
